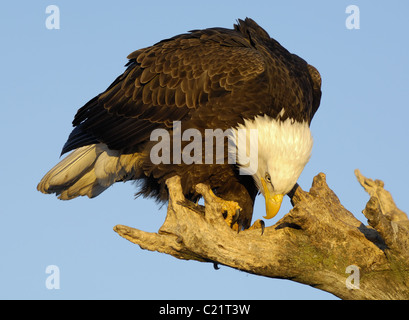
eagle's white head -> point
(275, 153)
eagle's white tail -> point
(89, 171)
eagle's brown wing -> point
(205, 71)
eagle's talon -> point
(258, 224)
(240, 226)
(263, 225)
(235, 218)
(231, 213)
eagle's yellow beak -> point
(273, 203)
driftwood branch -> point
(317, 243)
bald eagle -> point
(216, 78)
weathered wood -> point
(316, 243)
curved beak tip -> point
(273, 202)
(273, 205)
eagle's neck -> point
(283, 148)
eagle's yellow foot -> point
(258, 224)
(232, 221)
(229, 209)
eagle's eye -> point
(267, 178)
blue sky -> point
(46, 75)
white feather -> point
(72, 166)
(89, 171)
(106, 167)
(280, 148)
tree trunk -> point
(318, 242)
